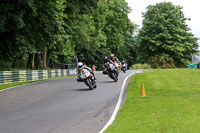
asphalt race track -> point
(59, 106)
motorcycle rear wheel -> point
(114, 75)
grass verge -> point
(171, 105)
(5, 86)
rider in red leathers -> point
(114, 59)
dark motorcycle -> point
(112, 70)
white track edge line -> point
(117, 107)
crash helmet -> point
(105, 58)
(80, 65)
(112, 55)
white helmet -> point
(80, 65)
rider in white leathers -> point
(82, 66)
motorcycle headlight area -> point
(83, 72)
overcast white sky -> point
(191, 9)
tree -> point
(165, 32)
(39, 32)
(116, 24)
(127, 52)
(81, 27)
(12, 23)
(48, 31)
(33, 29)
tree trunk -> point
(44, 58)
(48, 54)
(31, 61)
(38, 61)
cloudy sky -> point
(191, 9)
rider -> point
(106, 60)
(114, 59)
(82, 66)
(123, 62)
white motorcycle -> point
(88, 78)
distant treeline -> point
(36, 32)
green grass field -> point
(171, 105)
(5, 86)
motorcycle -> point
(88, 78)
(124, 68)
(113, 72)
(118, 66)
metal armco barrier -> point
(31, 75)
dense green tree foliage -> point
(30, 29)
(34, 33)
(165, 39)
(119, 31)
(37, 32)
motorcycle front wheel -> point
(89, 83)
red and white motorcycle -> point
(88, 78)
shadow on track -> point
(85, 89)
(107, 82)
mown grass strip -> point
(172, 104)
(5, 86)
